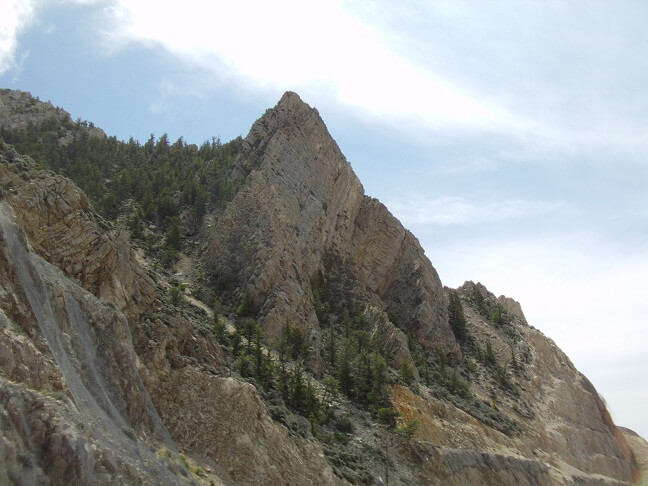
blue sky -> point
(510, 137)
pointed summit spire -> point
(289, 97)
(292, 107)
(292, 126)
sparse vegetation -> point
(148, 182)
(359, 368)
(408, 429)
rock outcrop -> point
(67, 360)
(217, 417)
(560, 418)
(104, 379)
(62, 228)
(58, 340)
(19, 109)
(298, 199)
(639, 447)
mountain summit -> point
(245, 314)
(300, 202)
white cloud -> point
(15, 16)
(171, 88)
(574, 72)
(306, 46)
(558, 77)
(447, 211)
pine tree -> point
(457, 318)
(344, 370)
(330, 348)
(406, 373)
(298, 396)
(489, 354)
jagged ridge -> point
(299, 199)
(297, 203)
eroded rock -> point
(299, 200)
(59, 222)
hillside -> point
(243, 313)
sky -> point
(509, 136)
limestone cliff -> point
(67, 360)
(62, 228)
(299, 200)
(90, 333)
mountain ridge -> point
(323, 203)
(495, 401)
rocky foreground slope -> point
(107, 377)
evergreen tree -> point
(173, 235)
(344, 370)
(457, 318)
(298, 395)
(406, 373)
(489, 355)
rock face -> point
(639, 447)
(58, 220)
(67, 360)
(59, 340)
(103, 379)
(560, 420)
(220, 418)
(298, 200)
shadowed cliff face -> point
(299, 200)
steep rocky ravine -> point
(112, 373)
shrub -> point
(406, 373)
(408, 429)
(388, 415)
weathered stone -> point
(57, 340)
(68, 359)
(299, 200)
(78, 350)
(59, 222)
(389, 339)
(639, 447)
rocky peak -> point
(298, 238)
(289, 123)
(19, 109)
(298, 200)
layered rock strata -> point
(67, 360)
(299, 199)
(87, 337)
